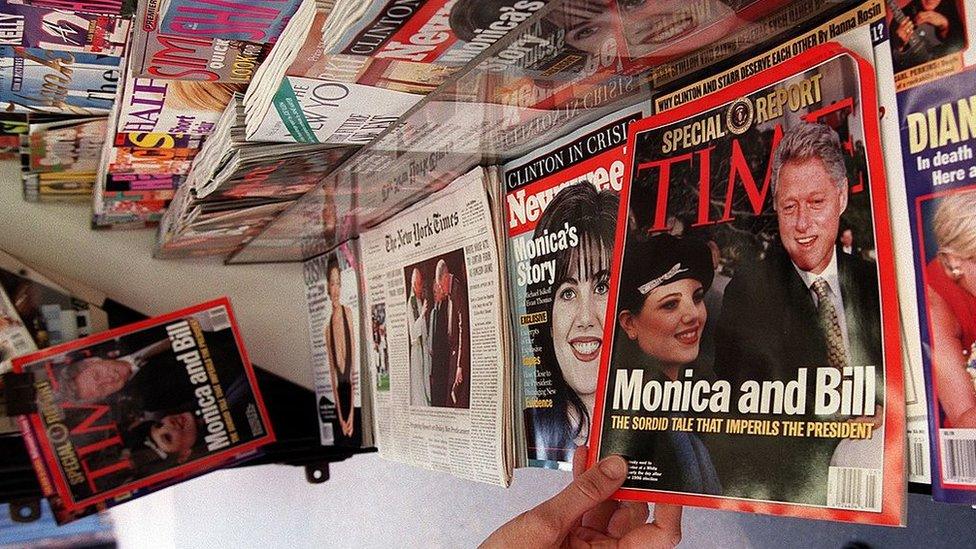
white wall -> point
(368, 501)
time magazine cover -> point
(754, 360)
(140, 406)
(561, 213)
(332, 292)
(937, 122)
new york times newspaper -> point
(438, 361)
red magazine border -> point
(39, 437)
(894, 481)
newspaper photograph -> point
(431, 283)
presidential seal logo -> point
(738, 118)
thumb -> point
(588, 490)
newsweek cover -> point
(182, 56)
(332, 292)
(32, 26)
(252, 20)
(754, 359)
(561, 211)
(937, 120)
(140, 406)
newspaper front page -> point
(437, 360)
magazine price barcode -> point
(918, 466)
(326, 434)
(959, 456)
(219, 319)
(20, 343)
(854, 488)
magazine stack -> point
(186, 62)
(234, 189)
(59, 159)
(78, 45)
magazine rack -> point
(496, 108)
(291, 408)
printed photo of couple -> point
(439, 331)
(150, 397)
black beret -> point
(661, 260)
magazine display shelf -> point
(536, 83)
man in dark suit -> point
(151, 382)
(804, 306)
(450, 355)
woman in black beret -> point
(661, 311)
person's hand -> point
(935, 19)
(458, 378)
(582, 515)
(905, 31)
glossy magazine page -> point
(141, 406)
(754, 360)
(561, 206)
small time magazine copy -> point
(124, 412)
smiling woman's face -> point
(578, 311)
(647, 25)
(669, 325)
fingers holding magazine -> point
(583, 514)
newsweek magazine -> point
(140, 406)
(732, 250)
(936, 121)
(33, 26)
(560, 215)
(336, 337)
(443, 392)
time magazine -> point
(754, 359)
(124, 412)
